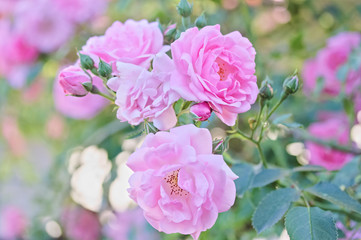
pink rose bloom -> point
(71, 79)
(145, 95)
(81, 224)
(12, 223)
(215, 68)
(129, 42)
(130, 223)
(80, 11)
(334, 128)
(180, 185)
(85, 107)
(328, 61)
(44, 26)
(201, 110)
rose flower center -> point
(223, 69)
(171, 180)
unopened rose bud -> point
(291, 84)
(86, 61)
(201, 21)
(266, 92)
(201, 110)
(219, 146)
(184, 8)
(170, 32)
(252, 122)
(71, 80)
(104, 69)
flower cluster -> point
(45, 28)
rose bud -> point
(201, 110)
(71, 79)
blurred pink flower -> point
(12, 223)
(215, 68)
(129, 42)
(180, 185)
(333, 128)
(55, 127)
(81, 224)
(13, 136)
(327, 63)
(146, 95)
(350, 234)
(130, 225)
(80, 11)
(44, 27)
(79, 107)
(71, 79)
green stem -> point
(258, 117)
(263, 159)
(186, 21)
(283, 97)
(105, 96)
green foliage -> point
(334, 194)
(310, 224)
(272, 208)
(267, 176)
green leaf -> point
(245, 174)
(342, 72)
(310, 224)
(309, 168)
(347, 175)
(267, 176)
(273, 207)
(334, 194)
(178, 105)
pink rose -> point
(71, 79)
(80, 11)
(180, 185)
(12, 223)
(81, 224)
(334, 128)
(215, 68)
(79, 107)
(129, 42)
(201, 110)
(145, 95)
(327, 63)
(44, 27)
(131, 222)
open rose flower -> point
(215, 68)
(333, 128)
(179, 183)
(131, 222)
(129, 42)
(145, 95)
(327, 63)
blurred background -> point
(64, 176)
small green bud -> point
(266, 92)
(291, 84)
(219, 146)
(184, 8)
(86, 61)
(88, 86)
(104, 69)
(170, 34)
(201, 21)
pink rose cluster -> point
(215, 70)
(31, 27)
(180, 185)
(331, 127)
(327, 63)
